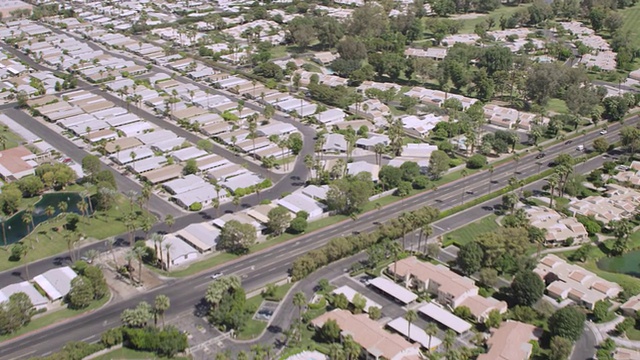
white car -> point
(216, 275)
(603, 132)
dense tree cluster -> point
(236, 237)
(15, 313)
(341, 247)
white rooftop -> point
(394, 290)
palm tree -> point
(110, 243)
(553, 183)
(83, 207)
(27, 219)
(25, 251)
(91, 255)
(167, 246)
(410, 316)
(516, 158)
(308, 162)
(464, 174)
(491, 170)
(139, 252)
(431, 330)
(379, 149)
(63, 206)
(236, 201)
(169, 221)
(394, 247)
(4, 234)
(351, 348)
(406, 220)
(69, 238)
(161, 305)
(299, 300)
(426, 231)
(449, 339)
(216, 205)
(49, 211)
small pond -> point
(15, 229)
(628, 263)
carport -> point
(394, 290)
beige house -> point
(631, 306)
(568, 281)
(450, 288)
(510, 342)
(558, 228)
(619, 203)
(378, 343)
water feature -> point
(628, 263)
(16, 229)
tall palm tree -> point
(552, 181)
(161, 305)
(426, 231)
(406, 220)
(27, 219)
(139, 254)
(449, 339)
(63, 206)
(169, 220)
(83, 207)
(299, 300)
(491, 170)
(516, 158)
(167, 246)
(110, 243)
(431, 330)
(351, 348)
(4, 234)
(69, 239)
(216, 205)
(410, 316)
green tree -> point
(236, 237)
(298, 225)
(98, 282)
(160, 306)
(527, 288)
(279, 219)
(600, 145)
(438, 164)
(601, 310)
(91, 166)
(470, 258)
(494, 319)
(81, 293)
(329, 331)
(567, 323)
(560, 348)
(349, 195)
(190, 167)
(410, 316)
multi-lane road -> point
(271, 264)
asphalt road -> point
(585, 347)
(451, 194)
(272, 264)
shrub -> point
(196, 206)
(477, 161)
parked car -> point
(603, 132)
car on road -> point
(216, 275)
(541, 155)
(580, 148)
(603, 132)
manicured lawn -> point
(11, 139)
(252, 329)
(125, 353)
(54, 317)
(557, 105)
(47, 241)
(631, 18)
(633, 333)
(468, 25)
(468, 233)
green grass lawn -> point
(11, 139)
(633, 334)
(468, 25)
(125, 353)
(252, 329)
(48, 319)
(46, 241)
(467, 233)
(557, 106)
(631, 18)
(280, 293)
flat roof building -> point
(394, 290)
(16, 163)
(56, 283)
(38, 301)
(444, 317)
(202, 236)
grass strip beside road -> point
(46, 319)
(467, 233)
(130, 354)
